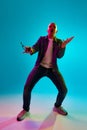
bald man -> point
(49, 48)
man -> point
(49, 48)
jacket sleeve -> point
(60, 51)
(36, 46)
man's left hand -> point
(66, 42)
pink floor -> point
(41, 115)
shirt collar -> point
(55, 39)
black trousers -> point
(36, 74)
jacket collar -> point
(55, 39)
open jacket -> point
(41, 46)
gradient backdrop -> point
(26, 21)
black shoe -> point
(60, 110)
(22, 115)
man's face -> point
(52, 29)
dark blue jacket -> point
(41, 46)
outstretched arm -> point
(27, 49)
(66, 42)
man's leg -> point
(58, 80)
(33, 77)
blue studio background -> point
(26, 21)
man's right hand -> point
(28, 49)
